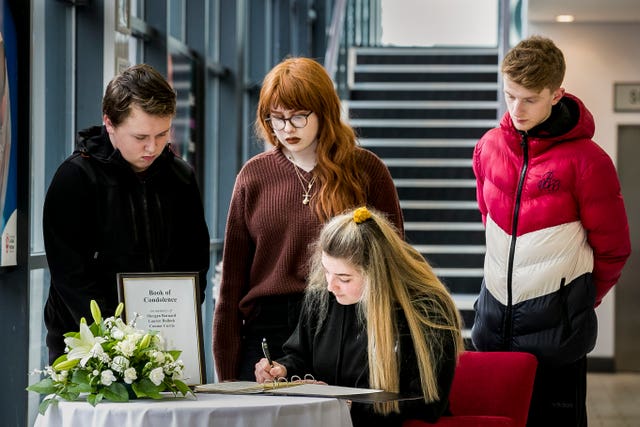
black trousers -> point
(559, 396)
(274, 318)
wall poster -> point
(8, 138)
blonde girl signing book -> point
(374, 316)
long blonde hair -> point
(303, 84)
(396, 276)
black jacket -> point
(337, 354)
(102, 218)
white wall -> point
(597, 56)
(439, 22)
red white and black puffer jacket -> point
(557, 235)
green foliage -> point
(116, 392)
(111, 360)
(45, 386)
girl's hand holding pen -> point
(266, 371)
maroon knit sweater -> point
(267, 239)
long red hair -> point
(303, 84)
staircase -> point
(422, 110)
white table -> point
(207, 410)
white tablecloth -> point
(208, 410)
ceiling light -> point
(565, 18)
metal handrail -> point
(335, 35)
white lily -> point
(83, 348)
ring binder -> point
(242, 387)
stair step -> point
(422, 132)
(463, 285)
(420, 51)
(455, 260)
(434, 193)
(437, 204)
(450, 249)
(442, 94)
(455, 263)
(409, 123)
(413, 86)
(423, 77)
(422, 105)
(453, 59)
(388, 149)
(401, 150)
(440, 214)
(435, 183)
(432, 172)
(426, 114)
(444, 226)
(425, 68)
(453, 163)
(438, 237)
(464, 301)
(361, 56)
(402, 142)
(459, 272)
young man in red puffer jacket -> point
(557, 235)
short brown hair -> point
(140, 85)
(535, 63)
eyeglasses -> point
(298, 121)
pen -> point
(265, 350)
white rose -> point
(120, 363)
(156, 376)
(107, 377)
(126, 347)
(130, 375)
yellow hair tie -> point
(360, 215)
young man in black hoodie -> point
(122, 202)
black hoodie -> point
(102, 218)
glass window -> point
(185, 140)
(176, 18)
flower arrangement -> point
(111, 360)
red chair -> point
(489, 389)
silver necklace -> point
(306, 189)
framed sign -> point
(168, 304)
(626, 97)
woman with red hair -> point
(281, 198)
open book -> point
(242, 387)
(302, 388)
